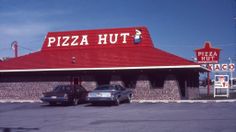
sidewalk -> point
(204, 98)
(204, 94)
(140, 101)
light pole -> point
(231, 74)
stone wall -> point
(115, 79)
(192, 93)
(144, 90)
(26, 90)
(167, 88)
(88, 82)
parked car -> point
(110, 93)
(65, 94)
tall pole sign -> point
(208, 55)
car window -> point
(105, 87)
(82, 89)
(117, 87)
(62, 88)
(121, 88)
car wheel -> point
(75, 101)
(129, 98)
(117, 101)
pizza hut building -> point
(123, 56)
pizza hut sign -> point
(101, 38)
(208, 54)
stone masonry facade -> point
(172, 88)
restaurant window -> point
(103, 79)
(129, 81)
(157, 82)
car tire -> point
(52, 103)
(117, 101)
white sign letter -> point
(114, 41)
(75, 39)
(224, 67)
(58, 41)
(51, 40)
(65, 42)
(84, 40)
(101, 38)
(231, 67)
(217, 67)
(124, 35)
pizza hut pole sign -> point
(207, 55)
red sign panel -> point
(207, 54)
(117, 37)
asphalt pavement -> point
(134, 117)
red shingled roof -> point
(131, 57)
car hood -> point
(98, 91)
(48, 94)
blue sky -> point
(176, 26)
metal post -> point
(16, 50)
(231, 74)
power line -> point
(22, 47)
(5, 48)
(29, 49)
(190, 45)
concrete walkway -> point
(139, 101)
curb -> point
(185, 101)
(137, 101)
(20, 101)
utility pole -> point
(231, 74)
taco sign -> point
(221, 67)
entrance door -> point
(76, 81)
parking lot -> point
(134, 117)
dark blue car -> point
(65, 94)
(110, 93)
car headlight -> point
(90, 94)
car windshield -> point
(62, 89)
(105, 87)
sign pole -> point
(231, 73)
(231, 83)
(208, 83)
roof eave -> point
(108, 68)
